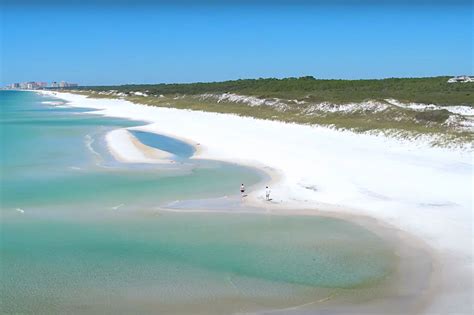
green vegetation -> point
(434, 90)
(361, 106)
(439, 115)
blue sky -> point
(104, 43)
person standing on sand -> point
(267, 193)
(242, 190)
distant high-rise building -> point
(31, 85)
(13, 86)
(39, 85)
(64, 84)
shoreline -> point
(407, 289)
(279, 179)
(126, 148)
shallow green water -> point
(251, 255)
(73, 250)
(57, 156)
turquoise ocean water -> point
(80, 232)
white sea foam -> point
(117, 206)
(88, 140)
(53, 102)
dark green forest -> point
(433, 90)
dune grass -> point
(298, 95)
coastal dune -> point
(419, 189)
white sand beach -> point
(126, 148)
(423, 191)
